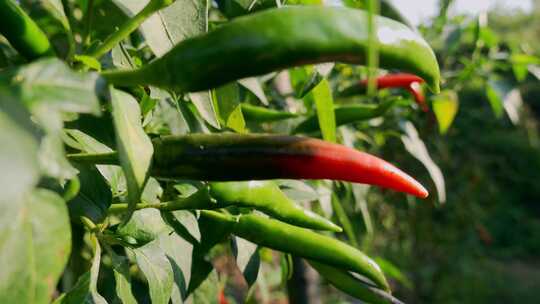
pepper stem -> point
(199, 200)
(110, 158)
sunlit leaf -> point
(155, 266)
(122, 278)
(52, 83)
(445, 107)
(322, 97)
(228, 107)
(19, 157)
(134, 147)
(417, 148)
(205, 107)
(247, 259)
(163, 30)
(87, 144)
(254, 86)
(34, 246)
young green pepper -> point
(301, 242)
(22, 32)
(345, 115)
(234, 157)
(280, 38)
(262, 114)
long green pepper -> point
(347, 283)
(301, 242)
(281, 38)
(22, 32)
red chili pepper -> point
(406, 81)
(221, 297)
(256, 157)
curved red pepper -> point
(406, 81)
(336, 162)
(257, 157)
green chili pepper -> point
(236, 157)
(235, 8)
(268, 198)
(353, 286)
(261, 195)
(262, 114)
(301, 242)
(345, 115)
(264, 196)
(280, 38)
(22, 32)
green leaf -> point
(19, 157)
(85, 290)
(51, 83)
(134, 147)
(179, 248)
(49, 87)
(205, 107)
(158, 271)
(417, 148)
(254, 86)
(94, 197)
(144, 226)
(122, 278)
(319, 73)
(167, 118)
(52, 159)
(228, 107)
(502, 96)
(88, 61)
(247, 259)
(494, 92)
(34, 247)
(207, 291)
(298, 190)
(179, 253)
(322, 97)
(86, 143)
(445, 107)
(513, 105)
(520, 63)
(182, 19)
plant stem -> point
(128, 27)
(88, 22)
(68, 11)
(199, 200)
(344, 220)
(372, 51)
(110, 158)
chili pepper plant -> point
(146, 141)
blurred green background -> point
(482, 245)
